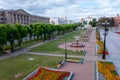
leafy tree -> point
(34, 29)
(93, 22)
(3, 37)
(11, 33)
(110, 20)
(21, 33)
(39, 31)
(45, 30)
(30, 31)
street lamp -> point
(106, 32)
(65, 47)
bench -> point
(69, 60)
(61, 62)
(7, 52)
(82, 61)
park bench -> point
(7, 52)
(70, 60)
(61, 62)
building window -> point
(1, 14)
(1, 19)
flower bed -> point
(49, 74)
(117, 32)
(97, 35)
(108, 70)
(99, 43)
(101, 47)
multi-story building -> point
(20, 16)
(60, 20)
(86, 21)
(117, 21)
(35, 18)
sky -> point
(73, 9)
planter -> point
(49, 74)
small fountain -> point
(77, 44)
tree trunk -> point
(11, 44)
(44, 36)
(19, 43)
(6, 44)
(37, 38)
(30, 36)
(41, 36)
(34, 36)
(1, 49)
(63, 32)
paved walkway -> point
(84, 71)
(87, 70)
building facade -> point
(20, 16)
(60, 20)
(117, 21)
(35, 18)
(86, 21)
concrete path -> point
(84, 71)
(87, 70)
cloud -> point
(73, 9)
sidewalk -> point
(85, 71)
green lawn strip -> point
(52, 46)
(29, 43)
(24, 45)
(20, 64)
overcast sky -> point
(73, 9)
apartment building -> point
(117, 21)
(20, 16)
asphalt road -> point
(113, 46)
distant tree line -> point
(110, 20)
(93, 23)
(40, 31)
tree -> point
(21, 33)
(39, 31)
(93, 22)
(3, 37)
(30, 31)
(11, 33)
(34, 29)
(110, 20)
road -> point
(113, 47)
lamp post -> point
(65, 47)
(106, 32)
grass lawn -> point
(29, 43)
(52, 46)
(24, 45)
(20, 64)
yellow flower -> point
(106, 69)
